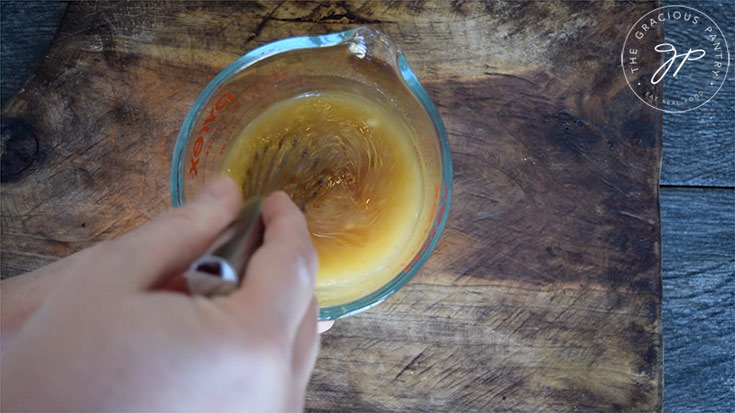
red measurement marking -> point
(206, 154)
(204, 171)
(220, 105)
(260, 95)
(415, 151)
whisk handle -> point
(220, 270)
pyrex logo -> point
(221, 104)
(692, 61)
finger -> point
(175, 284)
(280, 276)
(306, 346)
(167, 245)
(305, 351)
(22, 295)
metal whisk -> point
(287, 166)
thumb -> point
(167, 245)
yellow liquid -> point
(349, 163)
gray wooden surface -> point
(698, 231)
(699, 309)
(697, 212)
(27, 29)
(699, 145)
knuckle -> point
(272, 344)
(262, 349)
(297, 259)
(264, 340)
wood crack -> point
(410, 363)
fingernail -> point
(218, 188)
(323, 326)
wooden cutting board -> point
(544, 292)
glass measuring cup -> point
(360, 60)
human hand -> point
(108, 338)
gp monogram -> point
(678, 46)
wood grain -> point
(699, 299)
(699, 146)
(24, 44)
(544, 292)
